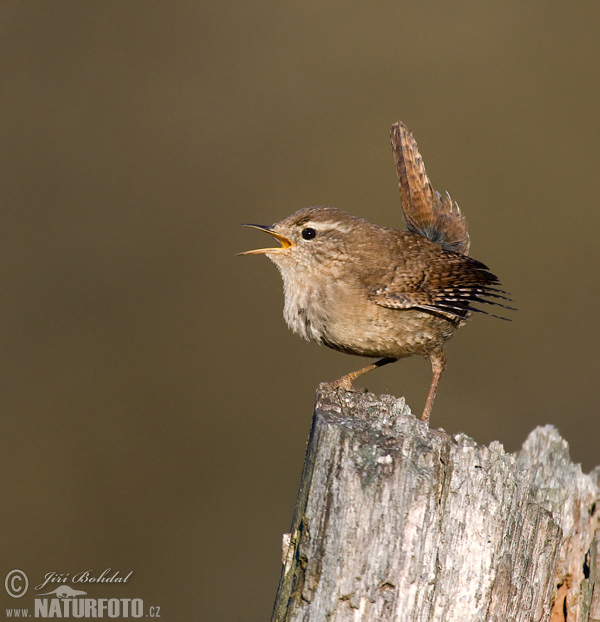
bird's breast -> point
(307, 310)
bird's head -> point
(311, 237)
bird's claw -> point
(344, 383)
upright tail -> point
(426, 212)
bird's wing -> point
(426, 211)
(450, 287)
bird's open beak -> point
(285, 242)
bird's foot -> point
(344, 383)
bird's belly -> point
(332, 318)
(393, 333)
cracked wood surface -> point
(395, 521)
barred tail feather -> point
(426, 211)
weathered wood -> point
(559, 486)
(395, 521)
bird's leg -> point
(345, 382)
(438, 363)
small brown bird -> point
(374, 291)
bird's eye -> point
(309, 233)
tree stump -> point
(396, 521)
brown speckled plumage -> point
(375, 291)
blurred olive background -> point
(155, 408)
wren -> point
(374, 291)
